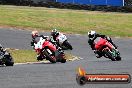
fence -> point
(95, 2)
(128, 3)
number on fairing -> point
(39, 44)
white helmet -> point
(91, 34)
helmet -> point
(34, 34)
(91, 34)
(54, 32)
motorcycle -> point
(49, 51)
(6, 58)
(63, 42)
(107, 49)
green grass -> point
(23, 56)
(69, 21)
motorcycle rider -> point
(35, 39)
(92, 35)
(36, 35)
(54, 35)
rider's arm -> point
(44, 37)
(52, 40)
(91, 43)
(99, 35)
(32, 42)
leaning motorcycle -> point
(107, 49)
(63, 42)
(6, 59)
(49, 51)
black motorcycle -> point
(6, 59)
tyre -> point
(1, 62)
(9, 61)
(39, 58)
(118, 58)
(52, 59)
(63, 60)
(68, 45)
(108, 53)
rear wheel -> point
(68, 45)
(118, 58)
(52, 59)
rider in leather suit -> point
(92, 35)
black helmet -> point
(54, 32)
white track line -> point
(46, 61)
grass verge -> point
(69, 21)
(23, 56)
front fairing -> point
(49, 45)
(103, 43)
(39, 45)
(99, 43)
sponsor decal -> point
(82, 78)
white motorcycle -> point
(63, 42)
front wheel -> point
(9, 61)
(109, 54)
(61, 57)
(63, 60)
(67, 45)
(52, 58)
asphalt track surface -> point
(62, 75)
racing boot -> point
(39, 58)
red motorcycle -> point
(107, 49)
(49, 51)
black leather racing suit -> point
(54, 41)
